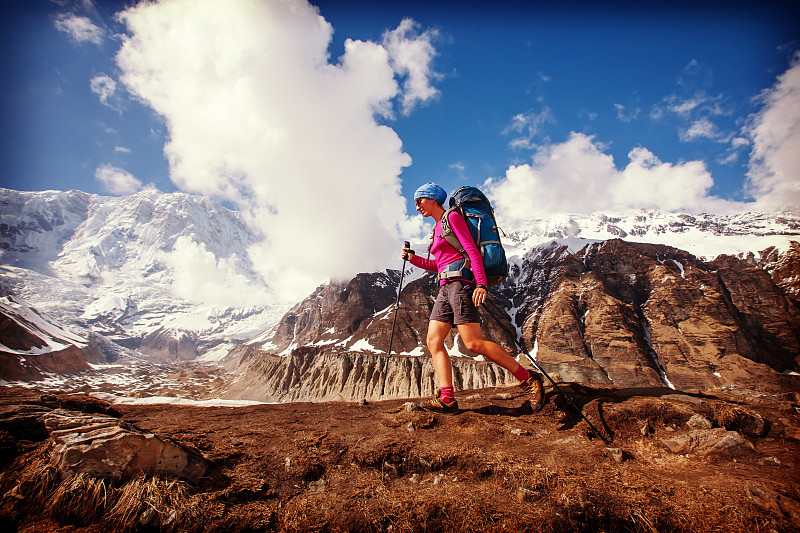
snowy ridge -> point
(53, 337)
(705, 235)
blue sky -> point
(609, 71)
(683, 106)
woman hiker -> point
(457, 304)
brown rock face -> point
(784, 269)
(310, 375)
(641, 315)
(632, 315)
(20, 335)
(170, 346)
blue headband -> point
(432, 191)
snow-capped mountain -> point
(702, 235)
(169, 275)
(147, 270)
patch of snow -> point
(156, 400)
(680, 266)
(363, 345)
(419, 351)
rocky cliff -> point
(33, 344)
(613, 312)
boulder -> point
(717, 443)
(698, 421)
(108, 448)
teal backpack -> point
(473, 205)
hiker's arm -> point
(461, 230)
(417, 261)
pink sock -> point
(522, 373)
(446, 394)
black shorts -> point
(454, 304)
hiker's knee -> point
(434, 342)
(437, 331)
(475, 345)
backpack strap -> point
(450, 235)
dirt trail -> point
(496, 466)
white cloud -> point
(106, 89)
(684, 108)
(625, 114)
(700, 128)
(411, 54)
(116, 180)
(528, 127)
(201, 278)
(774, 175)
(576, 176)
(79, 29)
(259, 115)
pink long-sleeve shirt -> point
(444, 253)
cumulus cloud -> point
(259, 115)
(117, 181)
(774, 175)
(79, 29)
(577, 176)
(200, 277)
(411, 54)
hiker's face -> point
(424, 205)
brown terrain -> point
(616, 325)
(719, 461)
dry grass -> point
(81, 499)
(84, 500)
(149, 501)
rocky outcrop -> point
(106, 448)
(170, 345)
(644, 315)
(310, 375)
(784, 268)
(33, 344)
(713, 443)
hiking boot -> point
(438, 405)
(534, 388)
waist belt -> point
(455, 270)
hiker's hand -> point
(407, 253)
(478, 296)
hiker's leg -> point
(437, 331)
(530, 383)
(474, 341)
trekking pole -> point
(533, 361)
(406, 246)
